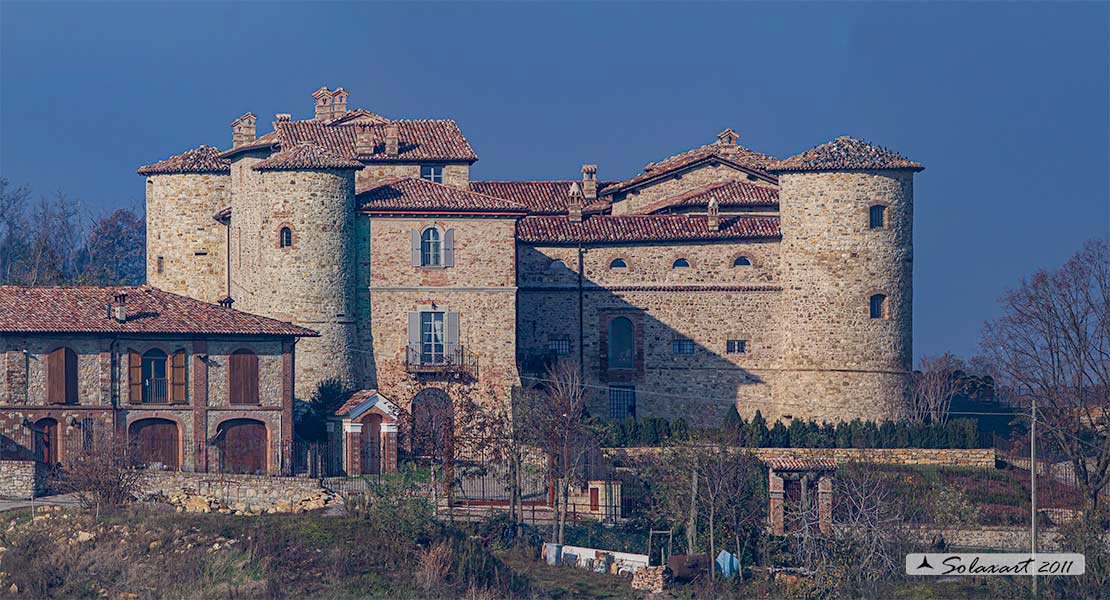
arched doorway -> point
(242, 445)
(433, 422)
(46, 441)
(156, 443)
(371, 444)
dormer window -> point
(433, 173)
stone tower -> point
(847, 269)
(294, 223)
(186, 250)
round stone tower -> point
(847, 259)
(186, 249)
(298, 263)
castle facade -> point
(714, 278)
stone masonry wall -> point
(454, 174)
(678, 183)
(22, 479)
(838, 363)
(252, 489)
(186, 248)
(973, 458)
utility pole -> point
(1033, 489)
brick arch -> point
(162, 440)
(735, 255)
(689, 260)
(295, 237)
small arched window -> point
(618, 264)
(431, 248)
(285, 238)
(742, 261)
(557, 266)
(877, 217)
(622, 343)
(878, 307)
(242, 374)
(681, 263)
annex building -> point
(716, 277)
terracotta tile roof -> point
(540, 197)
(802, 464)
(419, 139)
(269, 140)
(642, 228)
(84, 309)
(306, 155)
(845, 153)
(223, 214)
(729, 194)
(352, 403)
(204, 159)
(731, 153)
(414, 196)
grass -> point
(567, 582)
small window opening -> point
(878, 307)
(681, 263)
(285, 237)
(742, 261)
(618, 264)
(878, 217)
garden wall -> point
(22, 479)
(983, 459)
(253, 489)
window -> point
(155, 378)
(878, 307)
(61, 377)
(86, 427)
(682, 346)
(560, 347)
(618, 264)
(681, 263)
(242, 375)
(155, 383)
(877, 217)
(161, 268)
(432, 173)
(431, 249)
(557, 266)
(622, 402)
(433, 342)
(742, 261)
(736, 346)
(622, 343)
(285, 238)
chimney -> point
(713, 215)
(119, 307)
(727, 140)
(575, 204)
(226, 302)
(283, 117)
(322, 97)
(243, 130)
(364, 140)
(392, 139)
(339, 102)
(589, 182)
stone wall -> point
(454, 174)
(973, 458)
(186, 250)
(252, 489)
(22, 479)
(838, 363)
(679, 182)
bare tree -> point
(934, 384)
(114, 252)
(1051, 346)
(104, 473)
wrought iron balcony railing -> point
(457, 362)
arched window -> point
(431, 248)
(742, 261)
(877, 215)
(61, 376)
(878, 307)
(618, 264)
(557, 266)
(681, 263)
(242, 376)
(285, 238)
(622, 343)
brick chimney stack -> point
(589, 182)
(727, 140)
(119, 307)
(364, 140)
(322, 97)
(339, 102)
(575, 203)
(243, 130)
(392, 139)
(713, 215)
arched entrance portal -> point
(242, 445)
(46, 442)
(156, 443)
(433, 422)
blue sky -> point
(1005, 103)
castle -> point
(716, 277)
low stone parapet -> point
(939, 457)
(22, 479)
(246, 494)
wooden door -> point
(371, 443)
(243, 446)
(595, 500)
(46, 441)
(156, 443)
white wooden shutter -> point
(415, 248)
(452, 332)
(414, 334)
(449, 248)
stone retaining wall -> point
(252, 489)
(976, 458)
(22, 479)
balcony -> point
(456, 363)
